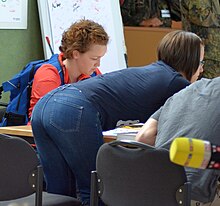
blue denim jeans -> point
(68, 134)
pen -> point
(48, 42)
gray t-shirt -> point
(195, 113)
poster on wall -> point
(13, 14)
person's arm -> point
(46, 79)
(202, 13)
(148, 132)
(152, 22)
(132, 14)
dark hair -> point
(81, 35)
(181, 50)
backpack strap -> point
(33, 69)
(54, 60)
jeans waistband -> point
(64, 87)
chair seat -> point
(48, 200)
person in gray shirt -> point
(193, 112)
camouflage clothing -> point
(174, 7)
(135, 11)
(163, 6)
(203, 18)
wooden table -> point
(26, 132)
(17, 130)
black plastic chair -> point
(21, 179)
(132, 173)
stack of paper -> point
(126, 132)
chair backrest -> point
(20, 176)
(137, 174)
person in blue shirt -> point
(68, 122)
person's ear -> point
(75, 54)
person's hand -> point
(153, 22)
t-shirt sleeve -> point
(46, 79)
(156, 114)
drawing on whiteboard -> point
(75, 10)
(75, 7)
(56, 16)
(55, 5)
(63, 13)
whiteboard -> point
(57, 15)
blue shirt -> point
(133, 93)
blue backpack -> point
(20, 87)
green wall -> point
(18, 47)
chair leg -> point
(187, 194)
(39, 186)
(94, 190)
